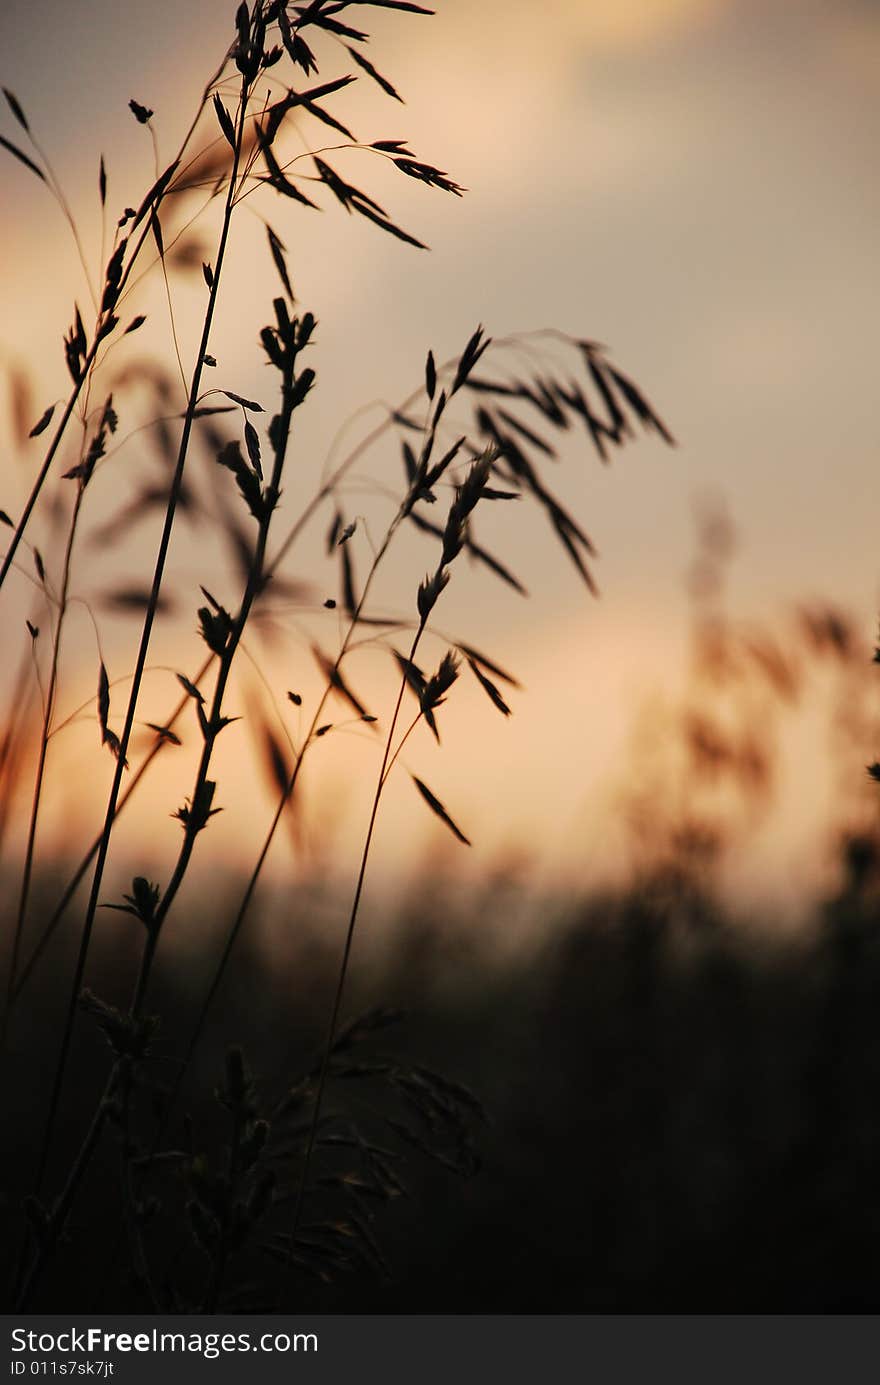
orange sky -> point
(690, 181)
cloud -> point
(630, 24)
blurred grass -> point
(680, 1118)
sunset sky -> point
(691, 182)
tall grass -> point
(477, 431)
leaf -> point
(617, 423)
(107, 326)
(252, 442)
(19, 154)
(475, 550)
(156, 228)
(377, 77)
(428, 174)
(337, 682)
(599, 432)
(299, 50)
(134, 598)
(385, 225)
(534, 438)
(102, 182)
(135, 323)
(275, 760)
(476, 345)
(225, 120)
(4, 519)
(164, 733)
(333, 532)
(474, 654)
(189, 687)
(437, 807)
(16, 109)
(245, 403)
(567, 535)
(155, 193)
(489, 688)
(103, 701)
(306, 99)
(313, 16)
(246, 480)
(277, 248)
(430, 375)
(396, 5)
(276, 113)
(276, 179)
(353, 200)
(640, 406)
(412, 673)
(349, 599)
(43, 423)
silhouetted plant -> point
(477, 431)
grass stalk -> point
(48, 710)
(79, 1167)
(73, 884)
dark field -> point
(673, 1120)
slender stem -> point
(310, 509)
(41, 766)
(79, 874)
(284, 799)
(139, 666)
(403, 740)
(213, 723)
(89, 362)
(69, 407)
(287, 793)
(346, 952)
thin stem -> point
(346, 951)
(90, 359)
(69, 407)
(140, 663)
(41, 766)
(79, 874)
(403, 740)
(284, 799)
(213, 723)
(58, 193)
